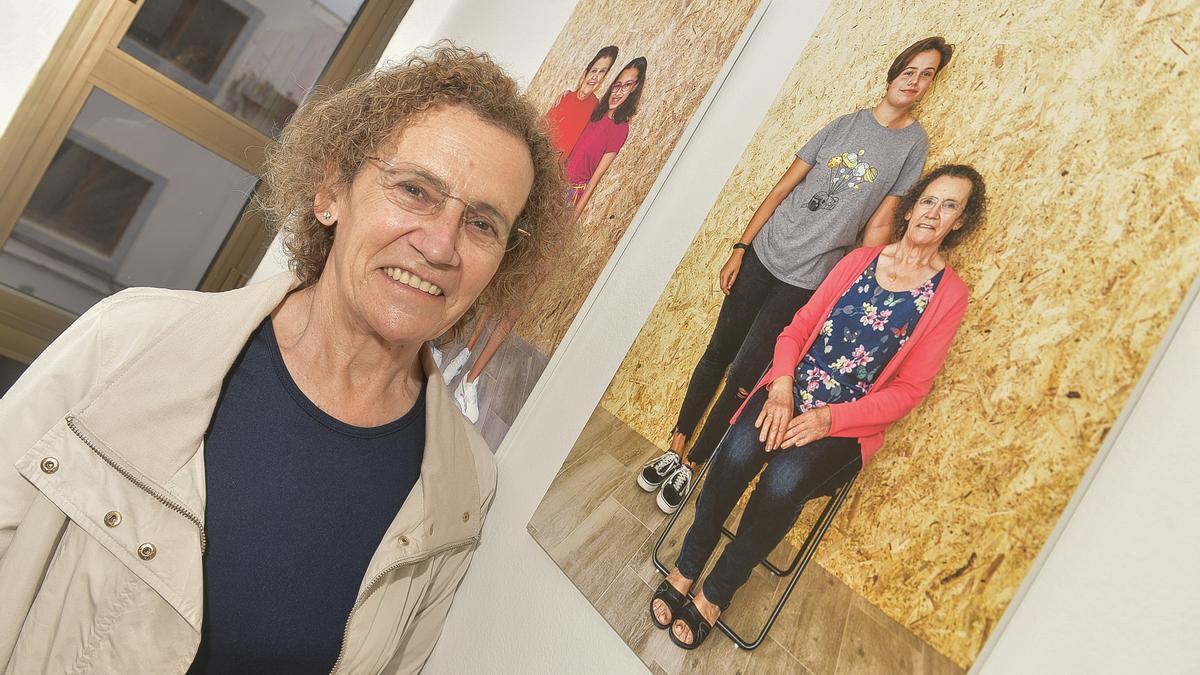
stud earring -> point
(326, 215)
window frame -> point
(88, 55)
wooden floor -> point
(601, 528)
(503, 385)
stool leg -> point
(770, 566)
(800, 563)
(790, 479)
(795, 569)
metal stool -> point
(837, 495)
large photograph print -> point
(1078, 121)
(618, 88)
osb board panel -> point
(1081, 117)
(685, 43)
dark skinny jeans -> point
(757, 309)
(792, 477)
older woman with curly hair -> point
(274, 479)
(854, 360)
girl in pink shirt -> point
(605, 134)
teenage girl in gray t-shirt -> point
(844, 183)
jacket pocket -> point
(154, 542)
(94, 615)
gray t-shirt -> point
(856, 162)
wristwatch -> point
(741, 246)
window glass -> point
(256, 59)
(126, 202)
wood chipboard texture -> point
(685, 44)
(1081, 115)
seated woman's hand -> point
(807, 427)
(776, 413)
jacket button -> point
(466, 516)
(404, 540)
(49, 465)
(112, 518)
(147, 551)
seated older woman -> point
(858, 357)
(274, 479)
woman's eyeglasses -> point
(627, 87)
(948, 207)
(417, 191)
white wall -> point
(517, 34)
(27, 34)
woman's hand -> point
(601, 168)
(776, 413)
(807, 427)
(729, 271)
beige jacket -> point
(102, 496)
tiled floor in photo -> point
(503, 385)
(601, 528)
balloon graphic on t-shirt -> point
(846, 172)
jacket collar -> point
(156, 409)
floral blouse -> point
(866, 328)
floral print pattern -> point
(866, 328)
(871, 316)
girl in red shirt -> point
(570, 115)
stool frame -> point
(795, 569)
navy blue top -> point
(866, 328)
(297, 503)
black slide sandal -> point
(691, 617)
(672, 598)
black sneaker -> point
(674, 490)
(656, 471)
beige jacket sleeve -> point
(55, 382)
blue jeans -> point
(792, 477)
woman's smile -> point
(410, 279)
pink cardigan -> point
(904, 381)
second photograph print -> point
(618, 87)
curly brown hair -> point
(327, 141)
(972, 214)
